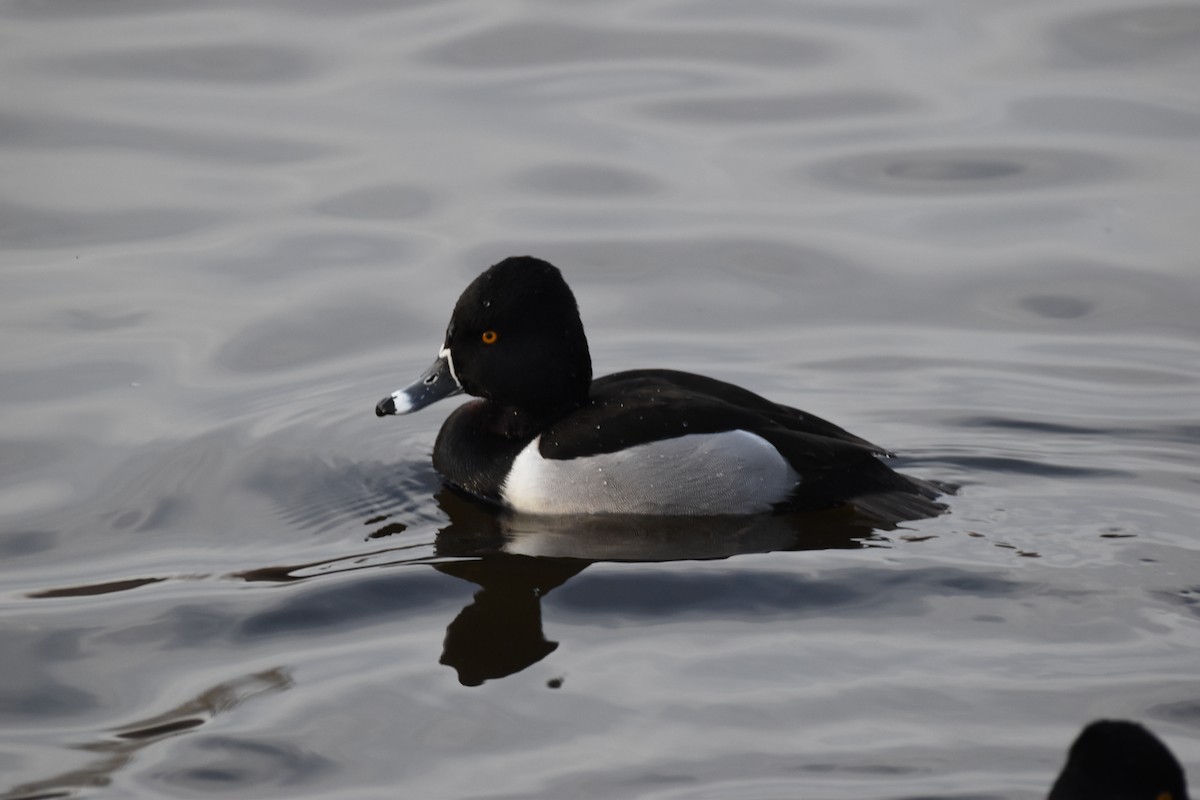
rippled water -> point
(966, 231)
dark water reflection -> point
(517, 560)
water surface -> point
(963, 231)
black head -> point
(1119, 760)
(516, 338)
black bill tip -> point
(385, 407)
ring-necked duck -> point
(1114, 759)
(545, 438)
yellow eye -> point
(489, 337)
(1165, 796)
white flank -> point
(735, 472)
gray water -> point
(965, 231)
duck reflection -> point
(476, 529)
(515, 560)
(518, 559)
(500, 632)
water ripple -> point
(541, 44)
(740, 110)
(233, 64)
(1122, 36)
(31, 228)
(1106, 116)
(36, 131)
(963, 170)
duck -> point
(1119, 759)
(543, 437)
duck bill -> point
(436, 383)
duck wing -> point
(626, 409)
(632, 408)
